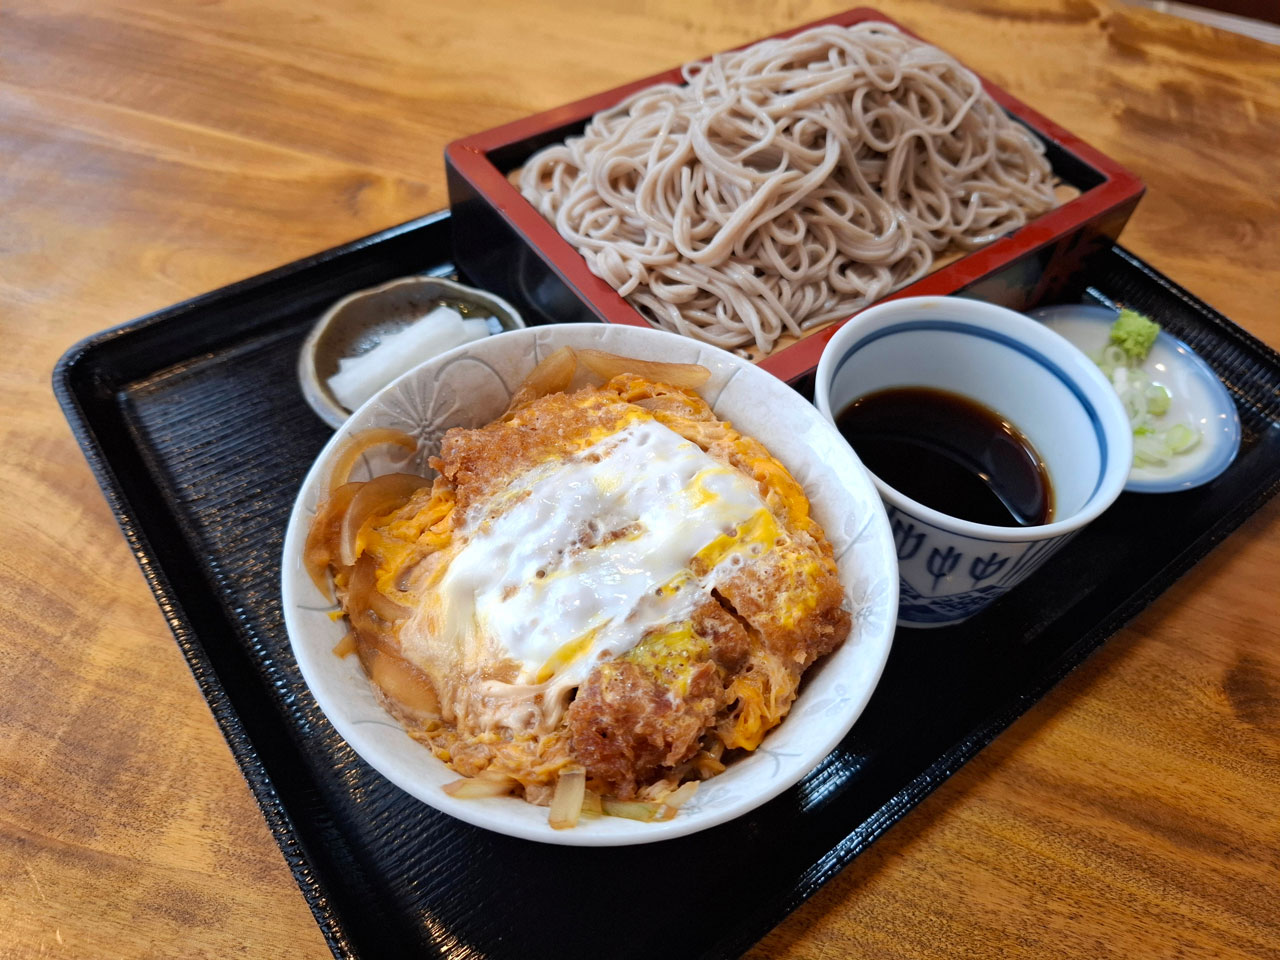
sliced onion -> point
(356, 602)
(401, 682)
(472, 788)
(689, 376)
(358, 444)
(708, 764)
(397, 678)
(372, 642)
(347, 645)
(566, 802)
(379, 496)
(552, 375)
(363, 596)
(386, 608)
(318, 552)
(591, 807)
(632, 809)
(680, 795)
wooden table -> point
(149, 152)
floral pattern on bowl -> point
(470, 386)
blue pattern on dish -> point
(1011, 563)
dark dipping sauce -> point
(950, 453)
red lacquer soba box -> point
(503, 244)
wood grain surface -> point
(152, 151)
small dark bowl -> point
(358, 322)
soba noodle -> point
(790, 183)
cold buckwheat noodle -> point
(790, 183)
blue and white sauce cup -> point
(949, 568)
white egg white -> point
(580, 558)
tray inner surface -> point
(195, 424)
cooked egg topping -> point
(578, 559)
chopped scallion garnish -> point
(1131, 339)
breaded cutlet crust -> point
(639, 721)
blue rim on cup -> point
(950, 568)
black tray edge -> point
(207, 679)
(210, 684)
(965, 750)
(950, 762)
(247, 757)
(961, 753)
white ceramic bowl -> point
(471, 385)
(1199, 398)
(951, 568)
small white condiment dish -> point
(471, 385)
(1198, 398)
(951, 568)
(356, 324)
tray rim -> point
(254, 770)
(470, 158)
(234, 730)
(249, 761)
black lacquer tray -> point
(196, 429)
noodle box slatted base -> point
(503, 244)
